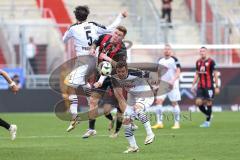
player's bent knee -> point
(126, 121)
(106, 108)
(199, 102)
(138, 107)
(93, 102)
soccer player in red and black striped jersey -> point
(111, 49)
(205, 76)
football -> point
(105, 68)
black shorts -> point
(110, 99)
(205, 93)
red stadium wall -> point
(235, 56)
(59, 11)
(198, 16)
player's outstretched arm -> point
(117, 21)
(111, 27)
(11, 83)
(67, 35)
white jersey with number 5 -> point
(85, 33)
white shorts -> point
(174, 95)
(76, 77)
(144, 102)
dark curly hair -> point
(121, 64)
(81, 12)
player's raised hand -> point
(125, 14)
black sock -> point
(202, 108)
(118, 125)
(92, 124)
(109, 116)
(4, 124)
(209, 113)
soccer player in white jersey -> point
(172, 77)
(84, 33)
(139, 97)
(12, 128)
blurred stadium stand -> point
(182, 24)
(20, 20)
(230, 9)
(105, 11)
(46, 20)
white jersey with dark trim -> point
(84, 34)
(171, 64)
(137, 88)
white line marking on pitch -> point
(102, 135)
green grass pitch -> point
(41, 136)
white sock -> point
(130, 135)
(132, 141)
(148, 128)
(159, 114)
(73, 105)
(176, 112)
(73, 110)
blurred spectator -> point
(166, 11)
(31, 51)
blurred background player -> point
(111, 49)
(172, 77)
(139, 97)
(31, 52)
(14, 88)
(84, 34)
(205, 77)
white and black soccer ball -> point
(105, 68)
